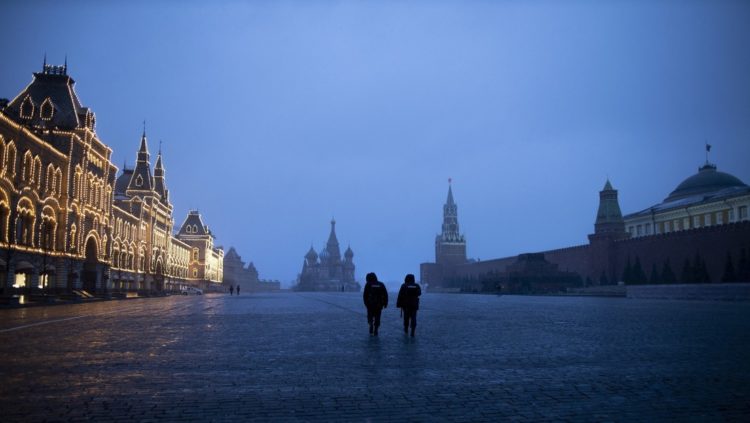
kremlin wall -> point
(700, 233)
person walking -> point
(408, 302)
(238, 290)
(231, 290)
(375, 297)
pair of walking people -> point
(375, 297)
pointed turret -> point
(348, 254)
(160, 183)
(609, 217)
(142, 179)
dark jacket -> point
(375, 295)
(408, 296)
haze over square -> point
(281, 117)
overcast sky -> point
(277, 116)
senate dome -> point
(708, 180)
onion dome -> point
(311, 254)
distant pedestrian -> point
(408, 302)
(376, 299)
(231, 290)
(238, 290)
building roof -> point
(195, 222)
(609, 206)
(122, 181)
(54, 87)
(706, 186)
(708, 180)
(232, 255)
(142, 178)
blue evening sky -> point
(276, 116)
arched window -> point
(10, 160)
(77, 181)
(26, 215)
(37, 176)
(142, 260)
(49, 180)
(195, 254)
(58, 181)
(73, 241)
(138, 181)
(27, 173)
(47, 229)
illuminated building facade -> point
(206, 263)
(327, 271)
(66, 222)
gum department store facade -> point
(68, 222)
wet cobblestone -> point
(308, 357)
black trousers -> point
(373, 315)
(410, 314)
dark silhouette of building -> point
(237, 274)
(697, 234)
(327, 271)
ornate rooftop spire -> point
(160, 183)
(142, 179)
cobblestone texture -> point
(302, 357)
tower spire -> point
(160, 183)
(450, 245)
(142, 179)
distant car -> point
(190, 290)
